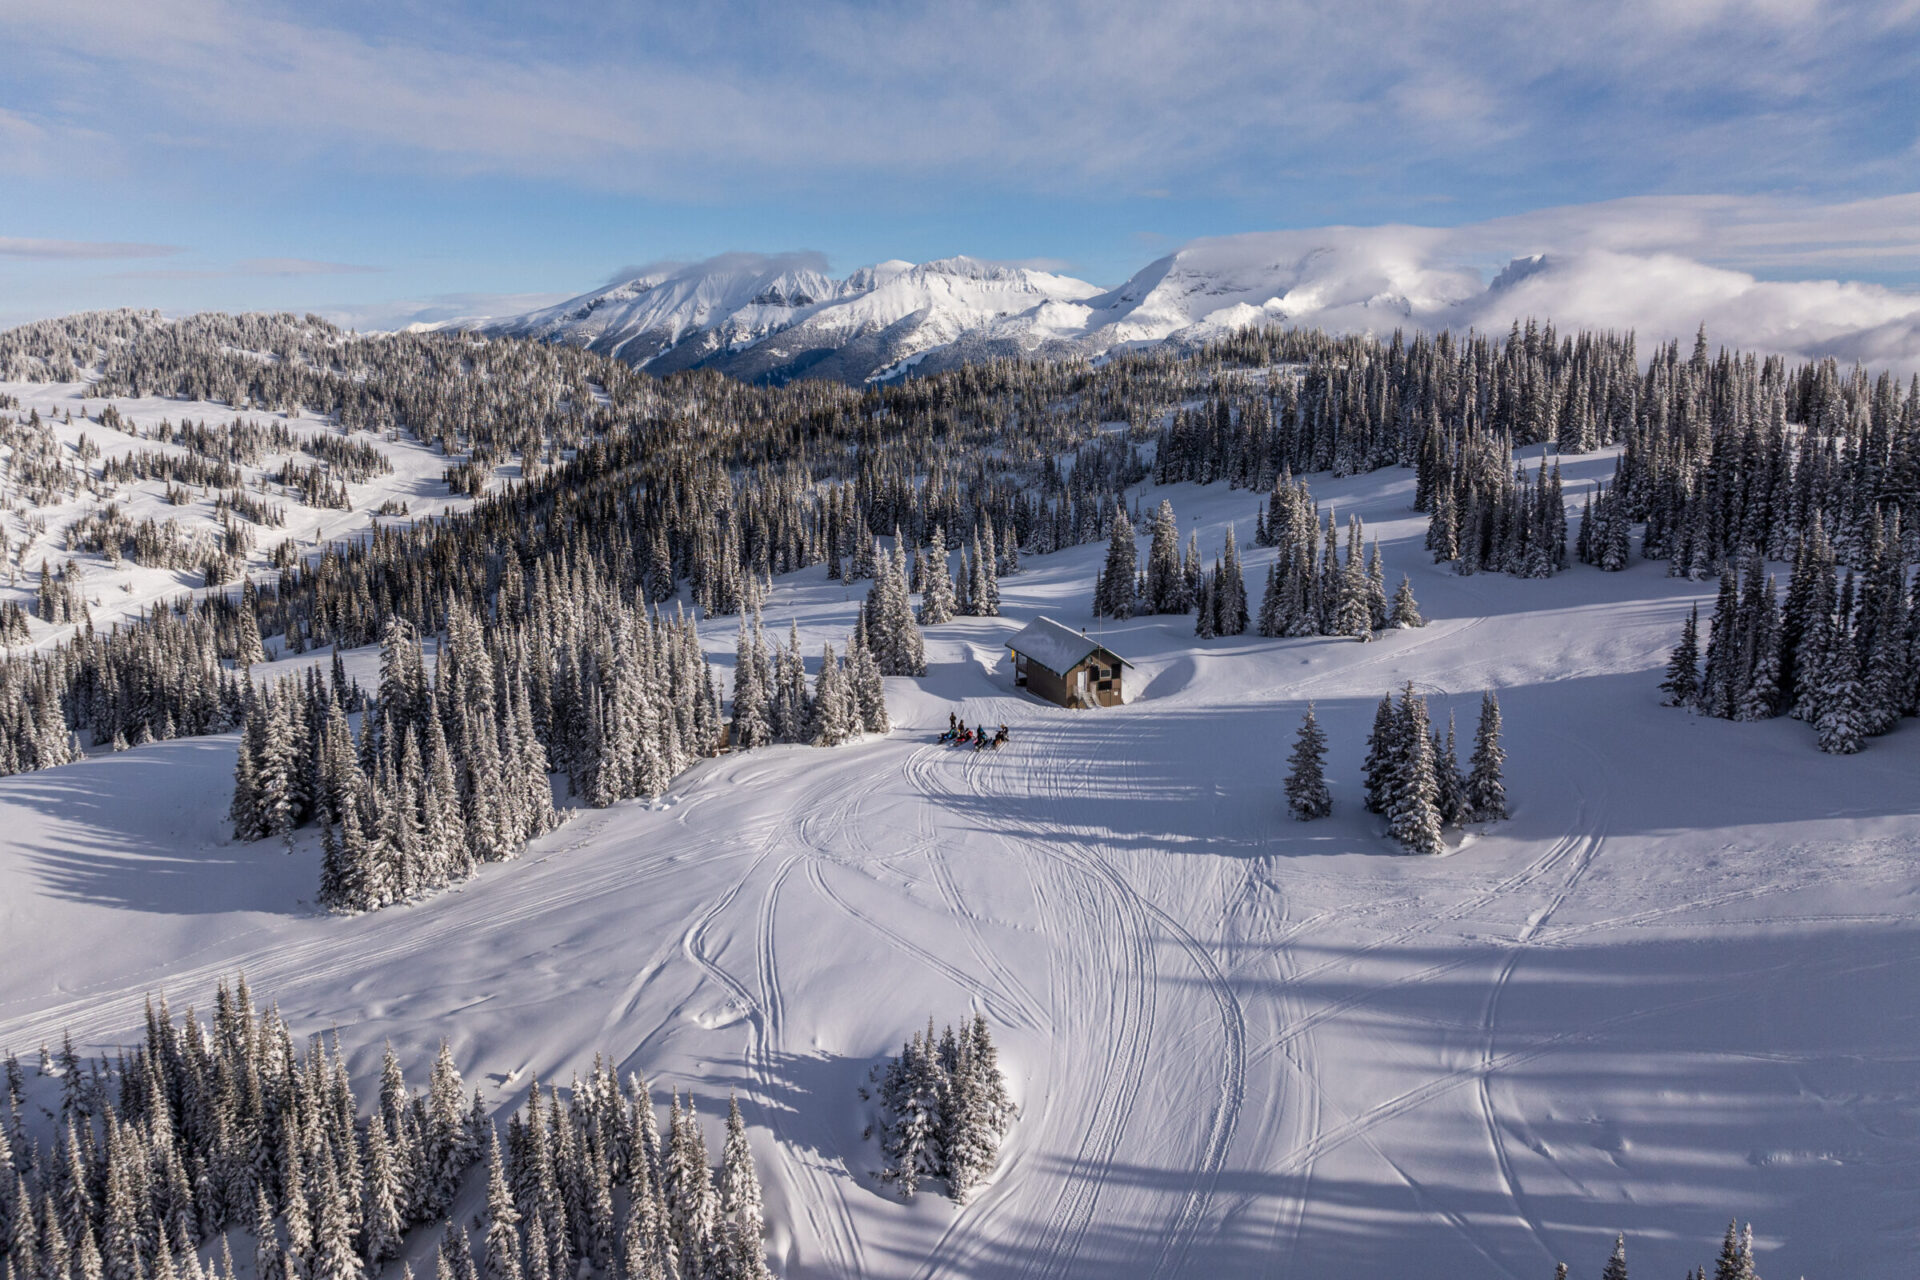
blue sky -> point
(368, 159)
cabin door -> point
(1080, 683)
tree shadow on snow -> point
(1656, 1085)
(132, 830)
(1586, 756)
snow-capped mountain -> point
(771, 318)
(776, 317)
(1341, 278)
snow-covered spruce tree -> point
(1414, 820)
(1453, 784)
(869, 689)
(1307, 794)
(1192, 571)
(244, 810)
(1113, 592)
(1230, 592)
(1376, 589)
(1486, 787)
(937, 600)
(892, 634)
(1841, 722)
(742, 1216)
(831, 724)
(977, 602)
(1166, 582)
(1721, 680)
(911, 1096)
(963, 580)
(988, 558)
(1616, 1268)
(1736, 1255)
(866, 556)
(1682, 684)
(1760, 691)
(1383, 757)
(1403, 610)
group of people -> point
(957, 731)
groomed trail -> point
(1669, 990)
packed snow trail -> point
(1241, 1045)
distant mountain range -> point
(775, 318)
(778, 317)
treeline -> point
(1170, 583)
(1412, 774)
(943, 1108)
(772, 702)
(972, 588)
(1309, 591)
(1721, 452)
(451, 771)
(1839, 652)
(159, 1155)
(160, 677)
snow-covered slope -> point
(1674, 987)
(34, 533)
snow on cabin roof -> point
(1059, 649)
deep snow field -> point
(1678, 985)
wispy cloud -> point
(300, 267)
(1051, 266)
(1055, 96)
(79, 250)
(400, 313)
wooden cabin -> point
(1065, 666)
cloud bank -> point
(1659, 266)
(79, 250)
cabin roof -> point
(1057, 648)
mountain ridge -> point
(777, 317)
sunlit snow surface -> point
(1677, 986)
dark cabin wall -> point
(1043, 683)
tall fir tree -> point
(1486, 787)
(1414, 820)
(1307, 794)
(1682, 685)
